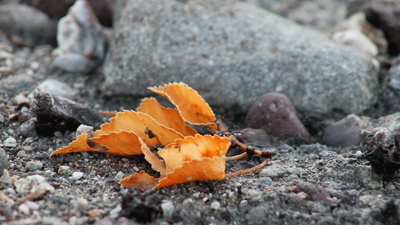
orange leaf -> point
(191, 159)
(142, 180)
(79, 145)
(120, 143)
(190, 104)
(143, 125)
(167, 117)
(194, 148)
(156, 163)
(108, 113)
(205, 169)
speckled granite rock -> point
(232, 53)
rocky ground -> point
(305, 182)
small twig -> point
(241, 172)
(244, 154)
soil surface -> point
(303, 183)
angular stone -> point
(345, 132)
(276, 170)
(249, 135)
(10, 142)
(55, 113)
(368, 178)
(314, 192)
(32, 166)
(275, 114)
(81, 39)
(233, 52)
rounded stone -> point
(63, 170)
(276, 115)
(32, 166)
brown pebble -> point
(276, 115)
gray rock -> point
(275, 170)
(57, 87)
(313, 148)
(167, 208)
(119, 176)
(266, 181)
(394, 74)
(33, 184)
(257, 215)
(80, 206)
(69, 114)
(4, 163)
(344, 133)
(32, 25)
(73, 62)
(32, 166)
(368, 178)
(63, 170)
(314, 192)
(81, 39)
(232, 53)
(27, 129)
(249, 135)
(320, 14)
(10, 142)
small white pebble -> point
(119, 176)
(80, 205)
(21, 153)
(114, 213)
(10, 142)
(27, 148)
(77, 175)
(32, 166)
(358, 154)
(24, 209)
(32, 205)
(215, 205)
(168, 208)
(187, 200)
(63, 170)
(84, 129)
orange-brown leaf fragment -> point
(168, 117)
(156, 163)
(145, 126)
(194, 148)
(190, 104)
(142, 180)
(120, 143)
(204, 169)
(108, 113)
(79, 145)
(191, 159)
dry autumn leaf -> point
(189, 103)
(187, 156)
(167, 117)
(191, 159)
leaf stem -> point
(241, 172)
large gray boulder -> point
(232, 53)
